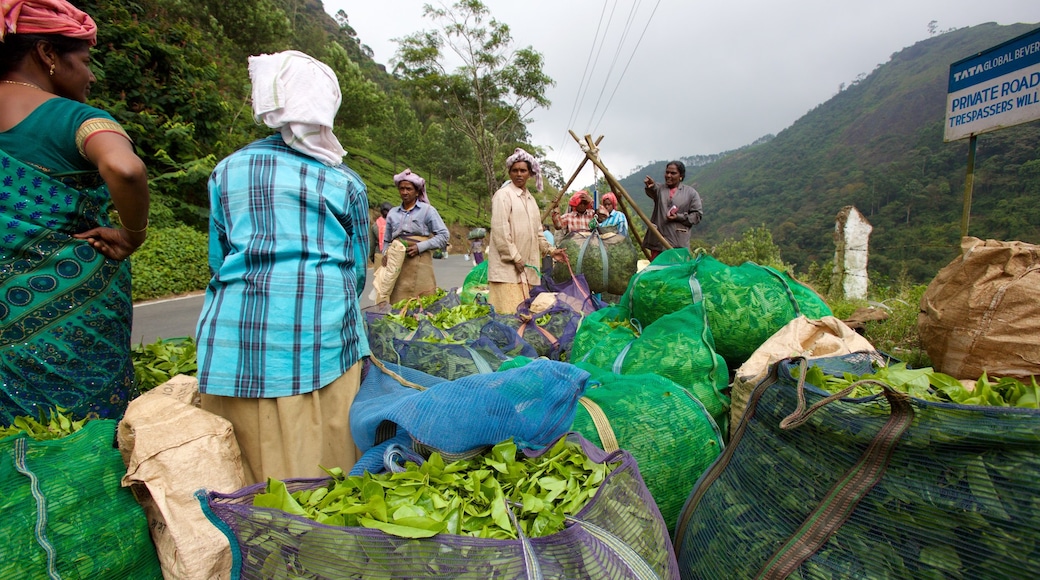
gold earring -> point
(52, 70)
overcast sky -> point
(672, 78)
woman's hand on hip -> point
(113, 243)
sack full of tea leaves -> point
(603, 335)
(745, 304)
(64, 513)
(812, 339)
(607, 260)
(678, 346)
(549, 331)
(475, 285)
(820, 485)
(981, 313)
(662, 425)
(617, 534)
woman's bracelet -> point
(144, 229)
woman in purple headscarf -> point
(413, 230)
(517, 244)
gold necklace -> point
(23, 84)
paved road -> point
(176, 317)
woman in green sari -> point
(65, 307)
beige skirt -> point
(290, 437)
(506, 296)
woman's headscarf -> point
(299, 95)
(578, 197)
(609, 195)
(414, 179)
(536, 169)
(46, 17)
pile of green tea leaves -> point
(420, 302)
(443, 319)
(450, 317)
(156, 363)
(928, 385)
(54, 425)
(479, 497)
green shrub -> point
(172, 261)
(897, 335)
(756, 245)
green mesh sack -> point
(745, 304)
(679, 347)
(475, 284)
(606, 260)
(602, 335)
(64, 513)
(885, 486)
(666, 429)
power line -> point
(634, 50)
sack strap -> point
(602, 423)
(839, 503)
(555, 342)
(40, 529)
(586, 297)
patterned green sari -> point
(65, 309)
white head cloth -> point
(299, 95)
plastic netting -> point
(952, 496)
(745, 304)
(678, 346)
(606, 260)
(619, 534)
(476, 346)
(550, 332)
(475, 285)
(603, 335)
(574, 291)
(64, 512)
(666, 429)
(534, 406)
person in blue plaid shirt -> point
(280, 337)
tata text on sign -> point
(995, 89)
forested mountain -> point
(878, 145)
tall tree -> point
(491, 95)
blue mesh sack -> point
(550, 332)
(745, 304)
(618, 534)
(533, 405)
(814, 485)
(476, 346)
(64, 513)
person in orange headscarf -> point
(578, 218)
(66, 317)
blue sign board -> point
(994, 89)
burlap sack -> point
(172, 449)
(982, 311)
(803, 337)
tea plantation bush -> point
(171, 261)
